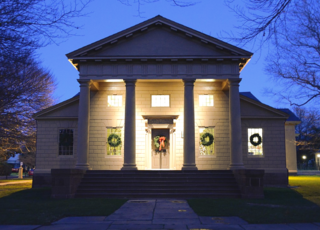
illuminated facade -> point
(160, 95)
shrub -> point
(5, 169)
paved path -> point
(158, 214)
(16, 182)
(308, 172)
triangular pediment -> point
(254, 109)
(66, 109)
(159, 42)
(159, 37)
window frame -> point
(214, 155)
(199, 95)
(115, 107)
(73, 144)
(160, 95)
(122, 140)
(262, 144)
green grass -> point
(281, 205)
(26, 179)
(22, 205)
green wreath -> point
(203, 139)
(156, 142)
(255, 143)
(114, 140)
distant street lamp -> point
(304, 157)
(318, 161)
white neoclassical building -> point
(160, 79)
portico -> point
(189, 163)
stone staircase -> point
(158, 184)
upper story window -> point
(114, 100)
(160, 101)
(65, 141)
(255, 141)
(205, 100)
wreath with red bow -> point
(160, 143)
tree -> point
(292, 27)
(260, 20)
(34, 23)
(308, 139)
(28, 159)
(25, 88)
(140, 3)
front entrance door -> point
(160, 158)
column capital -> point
(188, 81)
(85, 82)
(130, 82)
(234, 81)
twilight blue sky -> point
(107, 17)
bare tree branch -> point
(140, 3)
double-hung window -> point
(255, 142)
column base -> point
(189, 167)
(83, 166)
(235, 166)
(129, 167)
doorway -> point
(160, 157)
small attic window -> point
(114, 100)
(160, 101)
(205, 100)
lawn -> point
(26, 179)
(22, 205)
(300, 203)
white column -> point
(130, 127)
(83, 125)
(189, 157)
(236, 159)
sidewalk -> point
(308, 172)
(16, 182)
(159, 214)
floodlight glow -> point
(304, 157)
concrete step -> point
(158, 195)
(159, 172)
(162, 184)
(157, 185)
(158, 176)
(156, 190)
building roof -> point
(249, 95)
(292, 116)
